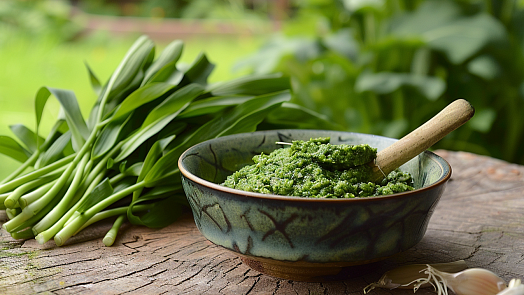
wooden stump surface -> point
(479, 219)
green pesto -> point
(317, 169)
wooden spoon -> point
(450, 118)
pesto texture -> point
(317, 169)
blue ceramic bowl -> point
(301, 238)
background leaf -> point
(291, 115)
(212, 105)
(441, 26)
(251, 85)
(382, 83)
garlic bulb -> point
(404, 277)
(473, 281)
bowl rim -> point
(185, 173)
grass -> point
(28, 64)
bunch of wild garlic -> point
(122, 161)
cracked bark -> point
(478, 219)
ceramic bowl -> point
(301, 238)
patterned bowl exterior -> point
(336, 232)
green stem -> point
(14, 197)
(9, 186)
(117, 178)
(35, 195)
(49, 233)
(88, 167)
(28, 163)
(62, 206)
(34, 219)
(23, 234)
(102, 164)
(73, 226)
(12, 212)
(110, 237)
(91, 181)
(113, 198)
(40, 203)
(14, 222)
(30, 212)
(52, 193)
(111, 213)
(3, 197)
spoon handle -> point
(450, 118)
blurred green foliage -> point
(387, 66)
(38, 19)
(193, 9)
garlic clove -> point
(515, 287)
(474, 281)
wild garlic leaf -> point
(443, 27)
(155, 152)
(173, 128)
(133, 170)
(139, 56)
(259, 110)
(233, 121)
(164, 211)
(73, 115)
(56, 150)
(108, 137)
(165, 64)
(387, 82)
(60, 127)
(153, 155)
(12, 149)
(174, 103)
(160, 116)
(27, 137)
(199, 70)
(212, 105)
(99, 193)
(95, 83)
(140, 97)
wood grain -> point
(479, 219)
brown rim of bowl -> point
(225, 189)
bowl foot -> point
(309, 272)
